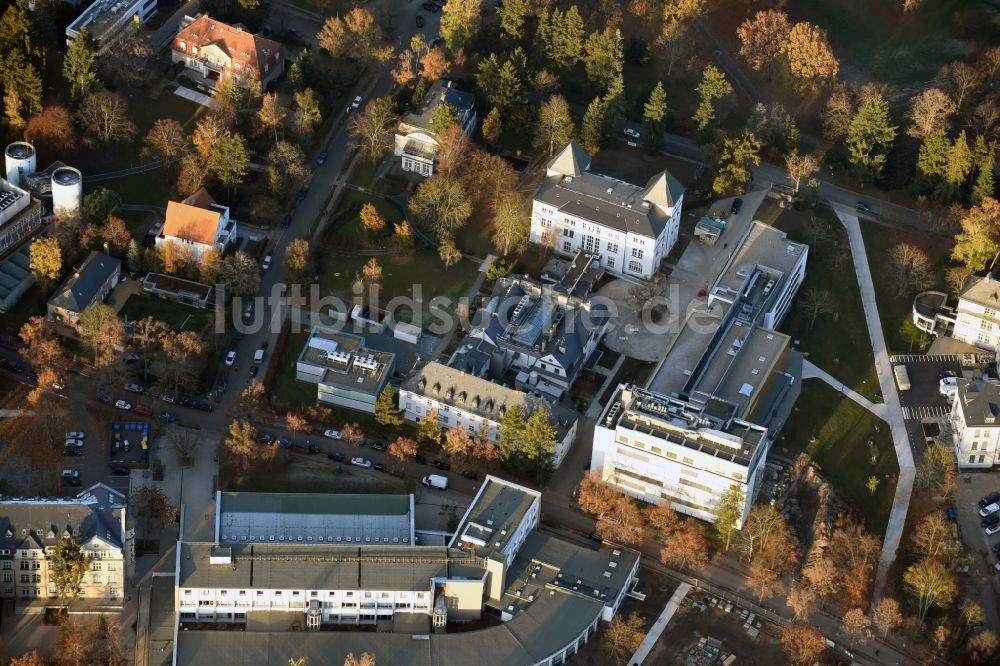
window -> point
(975, 445)
(989, 312)
(113, 592)
(611, 262)
(972, 459)
(984, 337)
(635, 266)
(591, 244)
(567, 246)
(8, 564)
(8, 578)
(613, 247)
(568, 233)
(637, 253)
(112, 566)
(986, 325)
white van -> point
(258, 356)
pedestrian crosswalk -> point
(917, 413)
(921, 358)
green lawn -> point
(31, 304)
(178, 317)
(836, 433)
(838, 341)
(420, 276)
(347, 220)
(895, 310)
(287, 391)
(889, 45)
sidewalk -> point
(810, 371)
(893, 410)
(661, 623)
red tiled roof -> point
(243, 48)
(191, 223)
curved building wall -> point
(19, 161)
(67, 191)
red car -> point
(142, 411)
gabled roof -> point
(663, 190)
(441, 92)
(572, 160)
(42, 522)
(982, 290)
(79, 291)
(193, 220)
(243, 48)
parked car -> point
(134, 388)
(231, 358)
(321, 160)
(992, 529)
(361, 462)
(863, 207)
(123, 405)
(169, 397)
(74, 442)
(187, 401)
(421, 460)
(131, 358)
(70, 473)
(335, 456)
(420, 21)
(253, 371)
(988, 509)
(356, 104)
(58, 385)
(433, 9)
(992, 498)
(267, 263)
(72, 452)
(631, 133)
(736, 207)
(469, 474)
(286, 221)
(996, 548)
(285, 442)
(331, 433)
(267, 438)
(75, 434)
(378, 446)
(380, 468)
(205, 407)
(313, 449)
(951, 514)
(104, 397)
(76, 483)
(991, 519)
(947, 373)
(120, 471)
(142, 410)
(248, 311)
(221, 388)
(440, 464)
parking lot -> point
(923, 400)
(983, 576)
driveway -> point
(982, 576)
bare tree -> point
(886, 615)
(856, 626)
(909, 269)
(104, 118)
(622, 637)
(800, 166)
(814, 302)
(371, 126)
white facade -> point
(109, 20)
(974, 320)
(415, 144)
(975, 427)
(976, 324)
(657, 457)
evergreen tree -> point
(512, 431)
(960, 163)
(732, 166)
(592, 128)
(419, 92)
(985, 160)
(932, 160)
(654, 116)
(492, 127)
(604, 56)
(460, 23)
(444, 116)
(870, 136)
(562, 35)
(386, 409)
(729, 514)
(713, 86)
(614, 107)
(539, 437)
(79, 65)
(512, 15)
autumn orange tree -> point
(762, 37)
(244, 445)
(352, 434)
(618, 518)
(296, 423)
(623, 636)
(802, 644)
(457, 443)
(402, 449)
(682, 540)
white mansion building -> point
(631, 228)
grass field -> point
(349, 230)
(836, 433)
(895, 311)
(176, 316)
(897, 47)
(837, 341)
(420, 276)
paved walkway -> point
(893, 411)
(195, 96)
(811, 371)
(661, 623)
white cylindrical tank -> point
(19, 161)
(67, 191)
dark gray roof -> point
(43, 522)
(572, 160)
(440, 92)
(79, 291)
(587, 197)
(980, 402)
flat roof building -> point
(313, 518)
(346, 371)
(110, 20)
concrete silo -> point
(19, 161)
(67, 191)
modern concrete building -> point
(536, 334)
(971, 318)
(345, 371)
(313, 518)
(197, 225)
(90, 284)
(21, 219)
(178, 289)
(213, 51)
(110, 20)
(975, 428)
(548, 594)
(661, 449)
(631, 228)
(464, 400)
(416, 144)
(31, 528)
(717, 400)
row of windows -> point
(296, 593)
